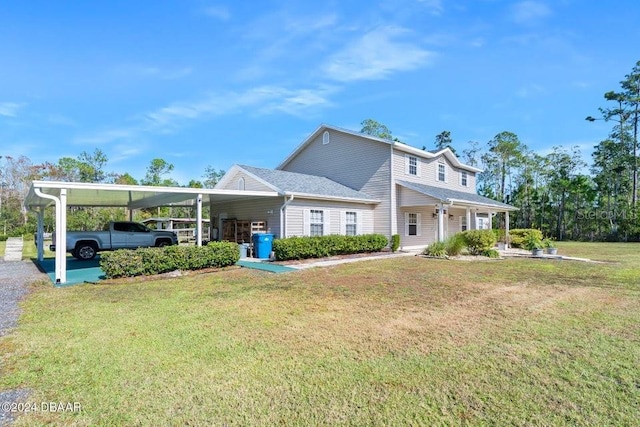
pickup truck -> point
(84, 245)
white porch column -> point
(490, 221)
(506, 229)
(40, 234)
(441, 223)
(469, 219)
(199, 220)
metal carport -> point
(43, 194)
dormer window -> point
(442, 171)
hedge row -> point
(323, 246)
(518, 236)
(147, 261)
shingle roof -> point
(299, 183)
(447, 195)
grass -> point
(394, 342)
(3, 245)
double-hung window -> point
(316, 223)
(442, 171)
(464, 178)
(412, 224)
(351, 222)
(412, 165)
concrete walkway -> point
(13, 250)
(312, 264)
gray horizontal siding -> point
(250, 183)
(356, 162)
(295, 216)
(428, 168)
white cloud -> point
(527, 11)
(218, 12)
(263, 99)
(10, 109)
(146, 71)
(376, 55)
(530, 90)
(435, 6)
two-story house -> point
(343, 182)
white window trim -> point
(241, 184)
(326, 137)
(418, 224)
(326, 221)
(406, 165)
(462, 174)
(343, 221)
(444, 164)
(463, 222)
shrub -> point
(147, 261)
(323, 246)
(3, 237)
(500, 234)
(455, 244)
(395, 242)
(517, 236)
(532, 241)
(491, 253)
(479, 240)
(436, 249)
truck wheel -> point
(85, 251)
(163, 243)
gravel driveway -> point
(14, 277)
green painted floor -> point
(90, 271)
(274, 268)
(77, 271)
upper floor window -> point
(351, 223)
(464, 178)
(442, 171)
(241, 184)
(316, 223)
(325, 137)
(412, 165)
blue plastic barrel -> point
(262, 245)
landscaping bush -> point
(500, 234)
(491, 253)
(436, 249)
(478, 241)
(147, 261)
(323, 246)
(518, 236)
(455, 244)
(3, 237)
(395, 242)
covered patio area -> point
(61, 195)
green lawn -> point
(3, 245)
(407, 341)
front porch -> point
(427, 214)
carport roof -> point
(131, 196)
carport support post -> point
(441, 223)
(40, 234)
(61, 244)
(199, 219)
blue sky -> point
(202, 83)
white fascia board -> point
(332, 198)
(454, 159)
(484, 205)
